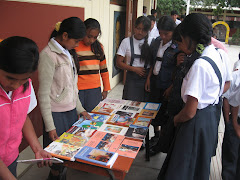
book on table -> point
(129, 148)
(142, 121)
(152, 106)
(106, 108)
(35, 161)
(148, 113)
(136, 132)
(113, 129)
(120, 120)
(105, 141)
(88, 124)
(66, 146)
(98, 156)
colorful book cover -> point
(152, 106)
(142, 121)
(98, 156)
(148, 113)
(105, 141)
(80, 131)
(131, 108)
(113, 129)
(136, 104)
(129, 148)
(88, 124)
(117, 101)
(120, 120)
(106, 108)
(62, 150)
(71, 139)
(124, 113)
(138, 132)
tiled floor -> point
(141, 169)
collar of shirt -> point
(162, 48)
(9, 94)
(65, 51)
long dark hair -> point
(145, 48)
(96, 47)
(166, 23)
(19, 55)
(75, 29)
(198, 28)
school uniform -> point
(190, 154)
(231, 142)
(164, 64)
(134, 88)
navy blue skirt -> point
(190, 154)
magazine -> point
(131, 108)
(113, 129)
(34, 161)
(135, 103)
(71, 139)
(148, 113)
(152, 106)
(105, 141)
(80, 131)
(98, 156)
(142, 121)
(88, 124)
(124, 113)
(138, 132)
(117, 101)
(106, 108)
(119, 120)
(62, 150)
(129, 148)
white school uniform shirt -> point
(125, 50)
(236, 65)
(178, 21)
(33, 99)
(201, 82)
(154, 33)
(233, 93)
(160, 53)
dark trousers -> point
(90, 98)
(13, 167)
(230, 153)
(62, 121)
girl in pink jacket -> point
(18, 61)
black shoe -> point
(154, 150)
(153, 141)
(61, 176)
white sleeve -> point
(33, 100)
(123, 47)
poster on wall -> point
(118, 36)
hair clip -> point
(57, 26)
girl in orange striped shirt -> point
(92, 64)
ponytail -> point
(145, 51)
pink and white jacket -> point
(13, 115)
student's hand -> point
(104, 94)
(180, 58)
(53, 135)
(43, 154)
(139, 71)
(86, 115)
(147, 85)
(175, 120)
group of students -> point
(69, 70)
(187, 73)
(180, 69)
